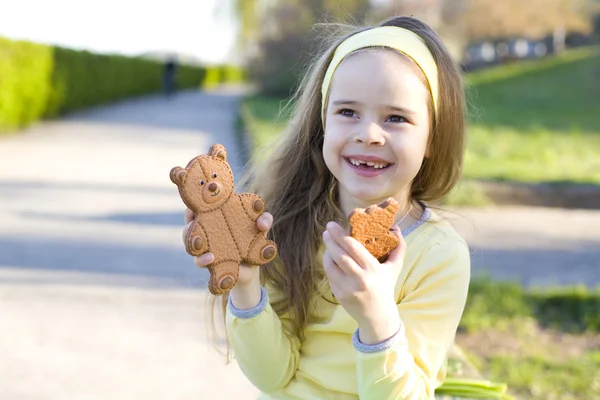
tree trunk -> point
(558, 39)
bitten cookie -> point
(225, 223)
(371, 226)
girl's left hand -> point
(362, 285)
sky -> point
(201, 28)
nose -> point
(212, 187)
(370, 134)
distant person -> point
(169, 75)
(381, 114)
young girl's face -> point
(377, 126)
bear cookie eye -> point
(201, 183)
(214, 175)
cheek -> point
(330, 155)
(331, 146)
(411, 149)
(327, 151)
(334, 137)
(420, 146)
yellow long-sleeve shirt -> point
(332, 364)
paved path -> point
(535, 246)
(98, 300)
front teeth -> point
(369, 163)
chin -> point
(367, 195)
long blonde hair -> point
(301, 193)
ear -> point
(177, 174)
(218, 151)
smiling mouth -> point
(215, 193)
(368, 166)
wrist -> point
(379, 327)
(246, 296)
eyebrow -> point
(401, 110)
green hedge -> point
(25, 82)
(189, 77)
(82, 79)
(223, 74)
(38, 81)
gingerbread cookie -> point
(371, 227)
(225, 223)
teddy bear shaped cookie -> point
(371, 227)
(225, 222)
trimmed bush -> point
(38, 81)
(25, 82)
(213, 77)
(190, 77)
(233, 74)
(82, 79)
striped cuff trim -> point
(375, 348)
(252, 312)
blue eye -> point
(397, 119)
(347, 112)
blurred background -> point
(98, 101)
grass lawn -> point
(536, 121)
(543, 344)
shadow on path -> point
(540, 267)
(16, 185)
(94, 263)
(161, 219)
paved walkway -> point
(534, 246)
(98, 300)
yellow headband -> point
(400, 39)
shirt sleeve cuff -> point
(252, 312)
(375, 348)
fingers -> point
(397, 254)
(204, 260)
(185, 230)
(350, 246)
(333, 272)
(189, 215)
(339, 256)
(264, 222)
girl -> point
(380, 114)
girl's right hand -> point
(249, 275)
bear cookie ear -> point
(218, 151)
(177, 174)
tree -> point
(441, 15)
(280, 39)
(463, 21)
(533, 19)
